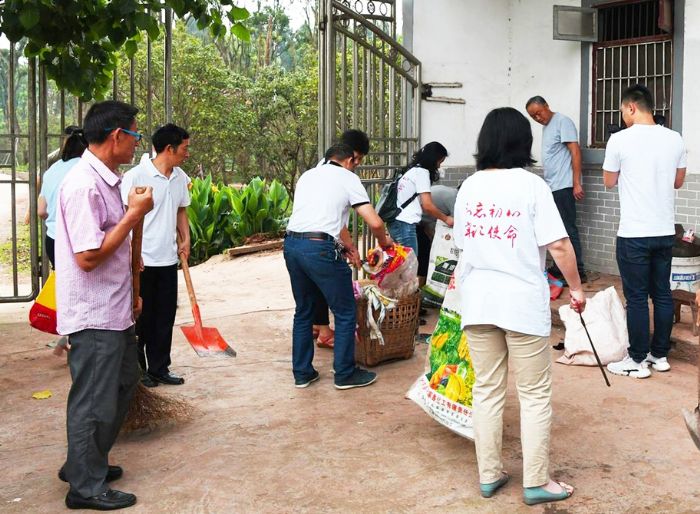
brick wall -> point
(599, 214)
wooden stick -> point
(136, 239)
(600, 364)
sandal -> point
(536, 495)
(488, 490)
(326, 342)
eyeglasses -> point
(135, 135)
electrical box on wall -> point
(575, 23)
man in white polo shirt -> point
(315, 257)
(161, 247)
(647, 162)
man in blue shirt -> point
(561, 159)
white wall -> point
(691, 80)
(503, 53)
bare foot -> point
(557, 487)
(324, 331)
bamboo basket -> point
(398, 329)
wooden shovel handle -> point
(190, 291)
(188, 280)
(136, 239)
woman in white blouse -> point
(413, 194)
(505, 221)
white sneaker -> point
(627, 367)
(658, 363)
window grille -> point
(633, 49)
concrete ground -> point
(257, 444)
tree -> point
(285, 106)
(206, 98)
(77, 41)
(272, 42)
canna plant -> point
(221, 216)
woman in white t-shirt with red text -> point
(414, 187)
(505, 221)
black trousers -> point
(105, 372)
(424, 244)
(49, 245)
(155, 325)
(566, 204)
(321, 311)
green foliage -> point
(206, 100)
(223, 216)
(77, 41)
(241, 126)
(283, 138)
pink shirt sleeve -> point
(84, 213)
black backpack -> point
(386, 205)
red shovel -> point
(206, 341)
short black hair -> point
(357, 140)
(639, 95)
(75, 143)
(429, 157)
(339, 152)
(505, 141)
(105, 116)
(537, 99)
(660, 119)
(168, 134)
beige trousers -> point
(489, 347)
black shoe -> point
(113, 473)
(148, 381)
(584, 278)
(168, 378)
(306, 382)
(359, 378)
(109, 500)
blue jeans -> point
(404, 234)
(317, 272)
(645, 269)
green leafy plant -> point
(258, 209)
(222, 216)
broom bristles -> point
(149, 410)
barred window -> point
(635, 47)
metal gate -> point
(368, 81)
(35, 114)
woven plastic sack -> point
(607, 324)
(42, 315)
(443, 261)
(444, 392)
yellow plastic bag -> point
(42, 315)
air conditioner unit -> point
(575, 23)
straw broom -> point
(149, 410)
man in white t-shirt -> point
(161, 248)
(359, 142)
(647, 162)
(315, 259)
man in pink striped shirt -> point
(94, 302)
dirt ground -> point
(257, 444)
